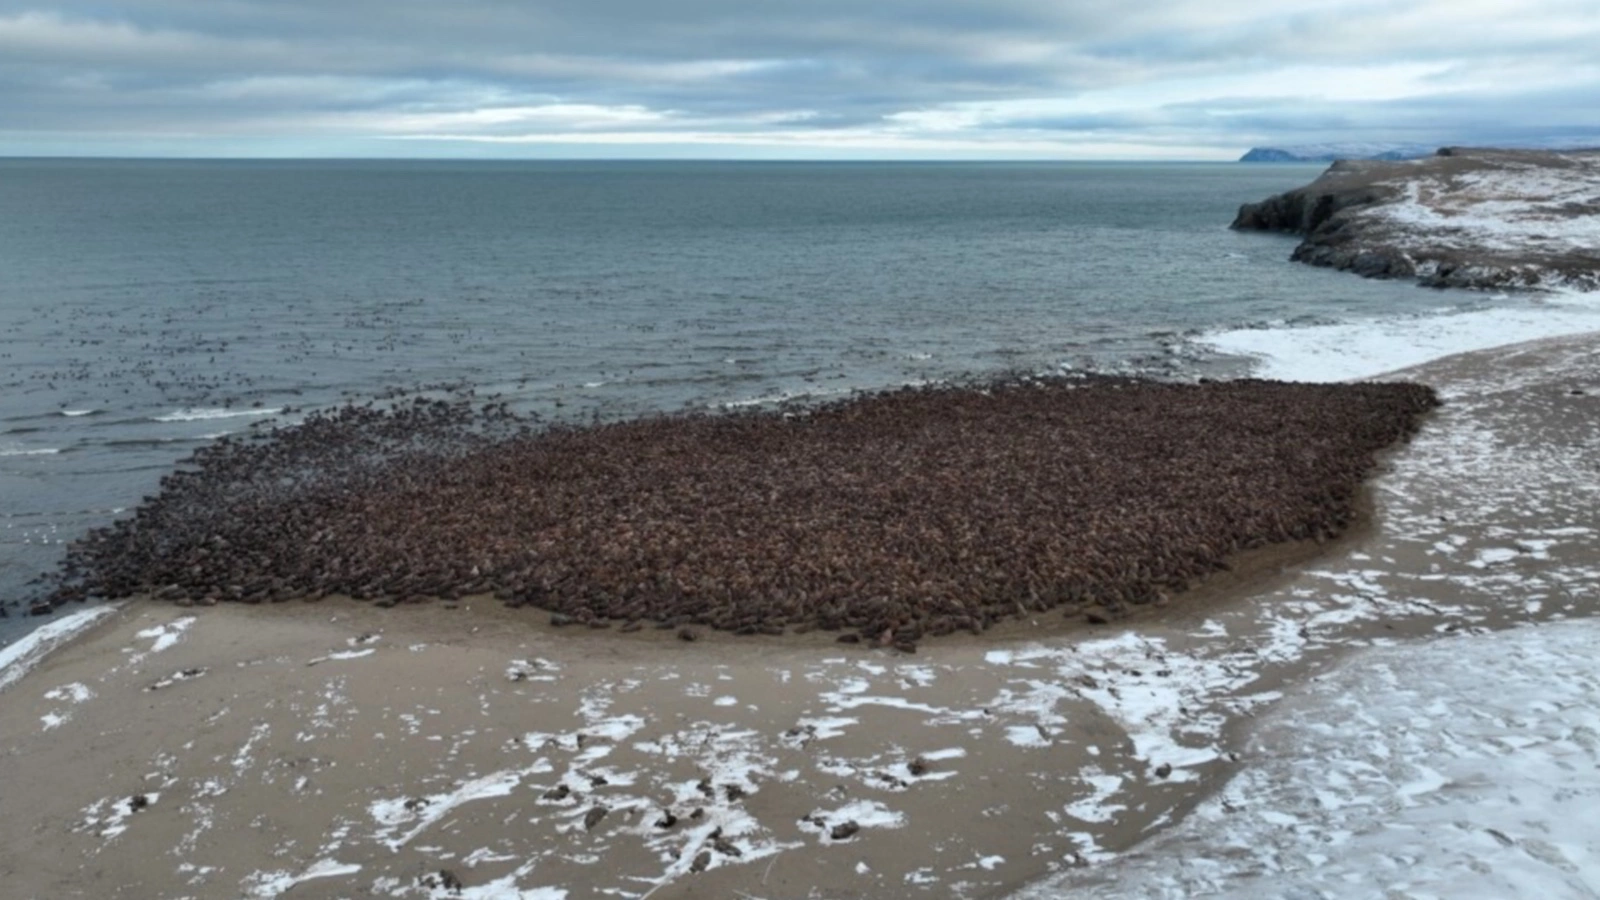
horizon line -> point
(594, 159)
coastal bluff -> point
(1474, 218)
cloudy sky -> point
(1193, 79)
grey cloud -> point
(359, 70)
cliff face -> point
(1461, 218)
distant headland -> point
(1332, 152)
(1462, 217)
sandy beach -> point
(458, 750)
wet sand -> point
(335, 750)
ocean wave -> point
(76, 413)
(151, 441)
(1366, 348)
(197, 415)
(29, 451)
(813, 394)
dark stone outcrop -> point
(1304, 210)
(1435, 219)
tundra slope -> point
(1474, 218)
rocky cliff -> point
(1461, 218)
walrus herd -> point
(886, 517)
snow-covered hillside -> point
(1463, 218)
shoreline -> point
(884, 519)
(972, 769)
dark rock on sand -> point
(844, 831)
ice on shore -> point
(1465, 768)
(17, 658)
(1368, 348)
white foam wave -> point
(75, 413)
(197, 415)
(22, 655)
(29, 451)
(1371, 347)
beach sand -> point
(338, 750)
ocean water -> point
(147, 307)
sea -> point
(150, 307)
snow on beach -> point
(1462, 768)
(20, 656)
(523, 765)
(1371, 347)
(1460, 764)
